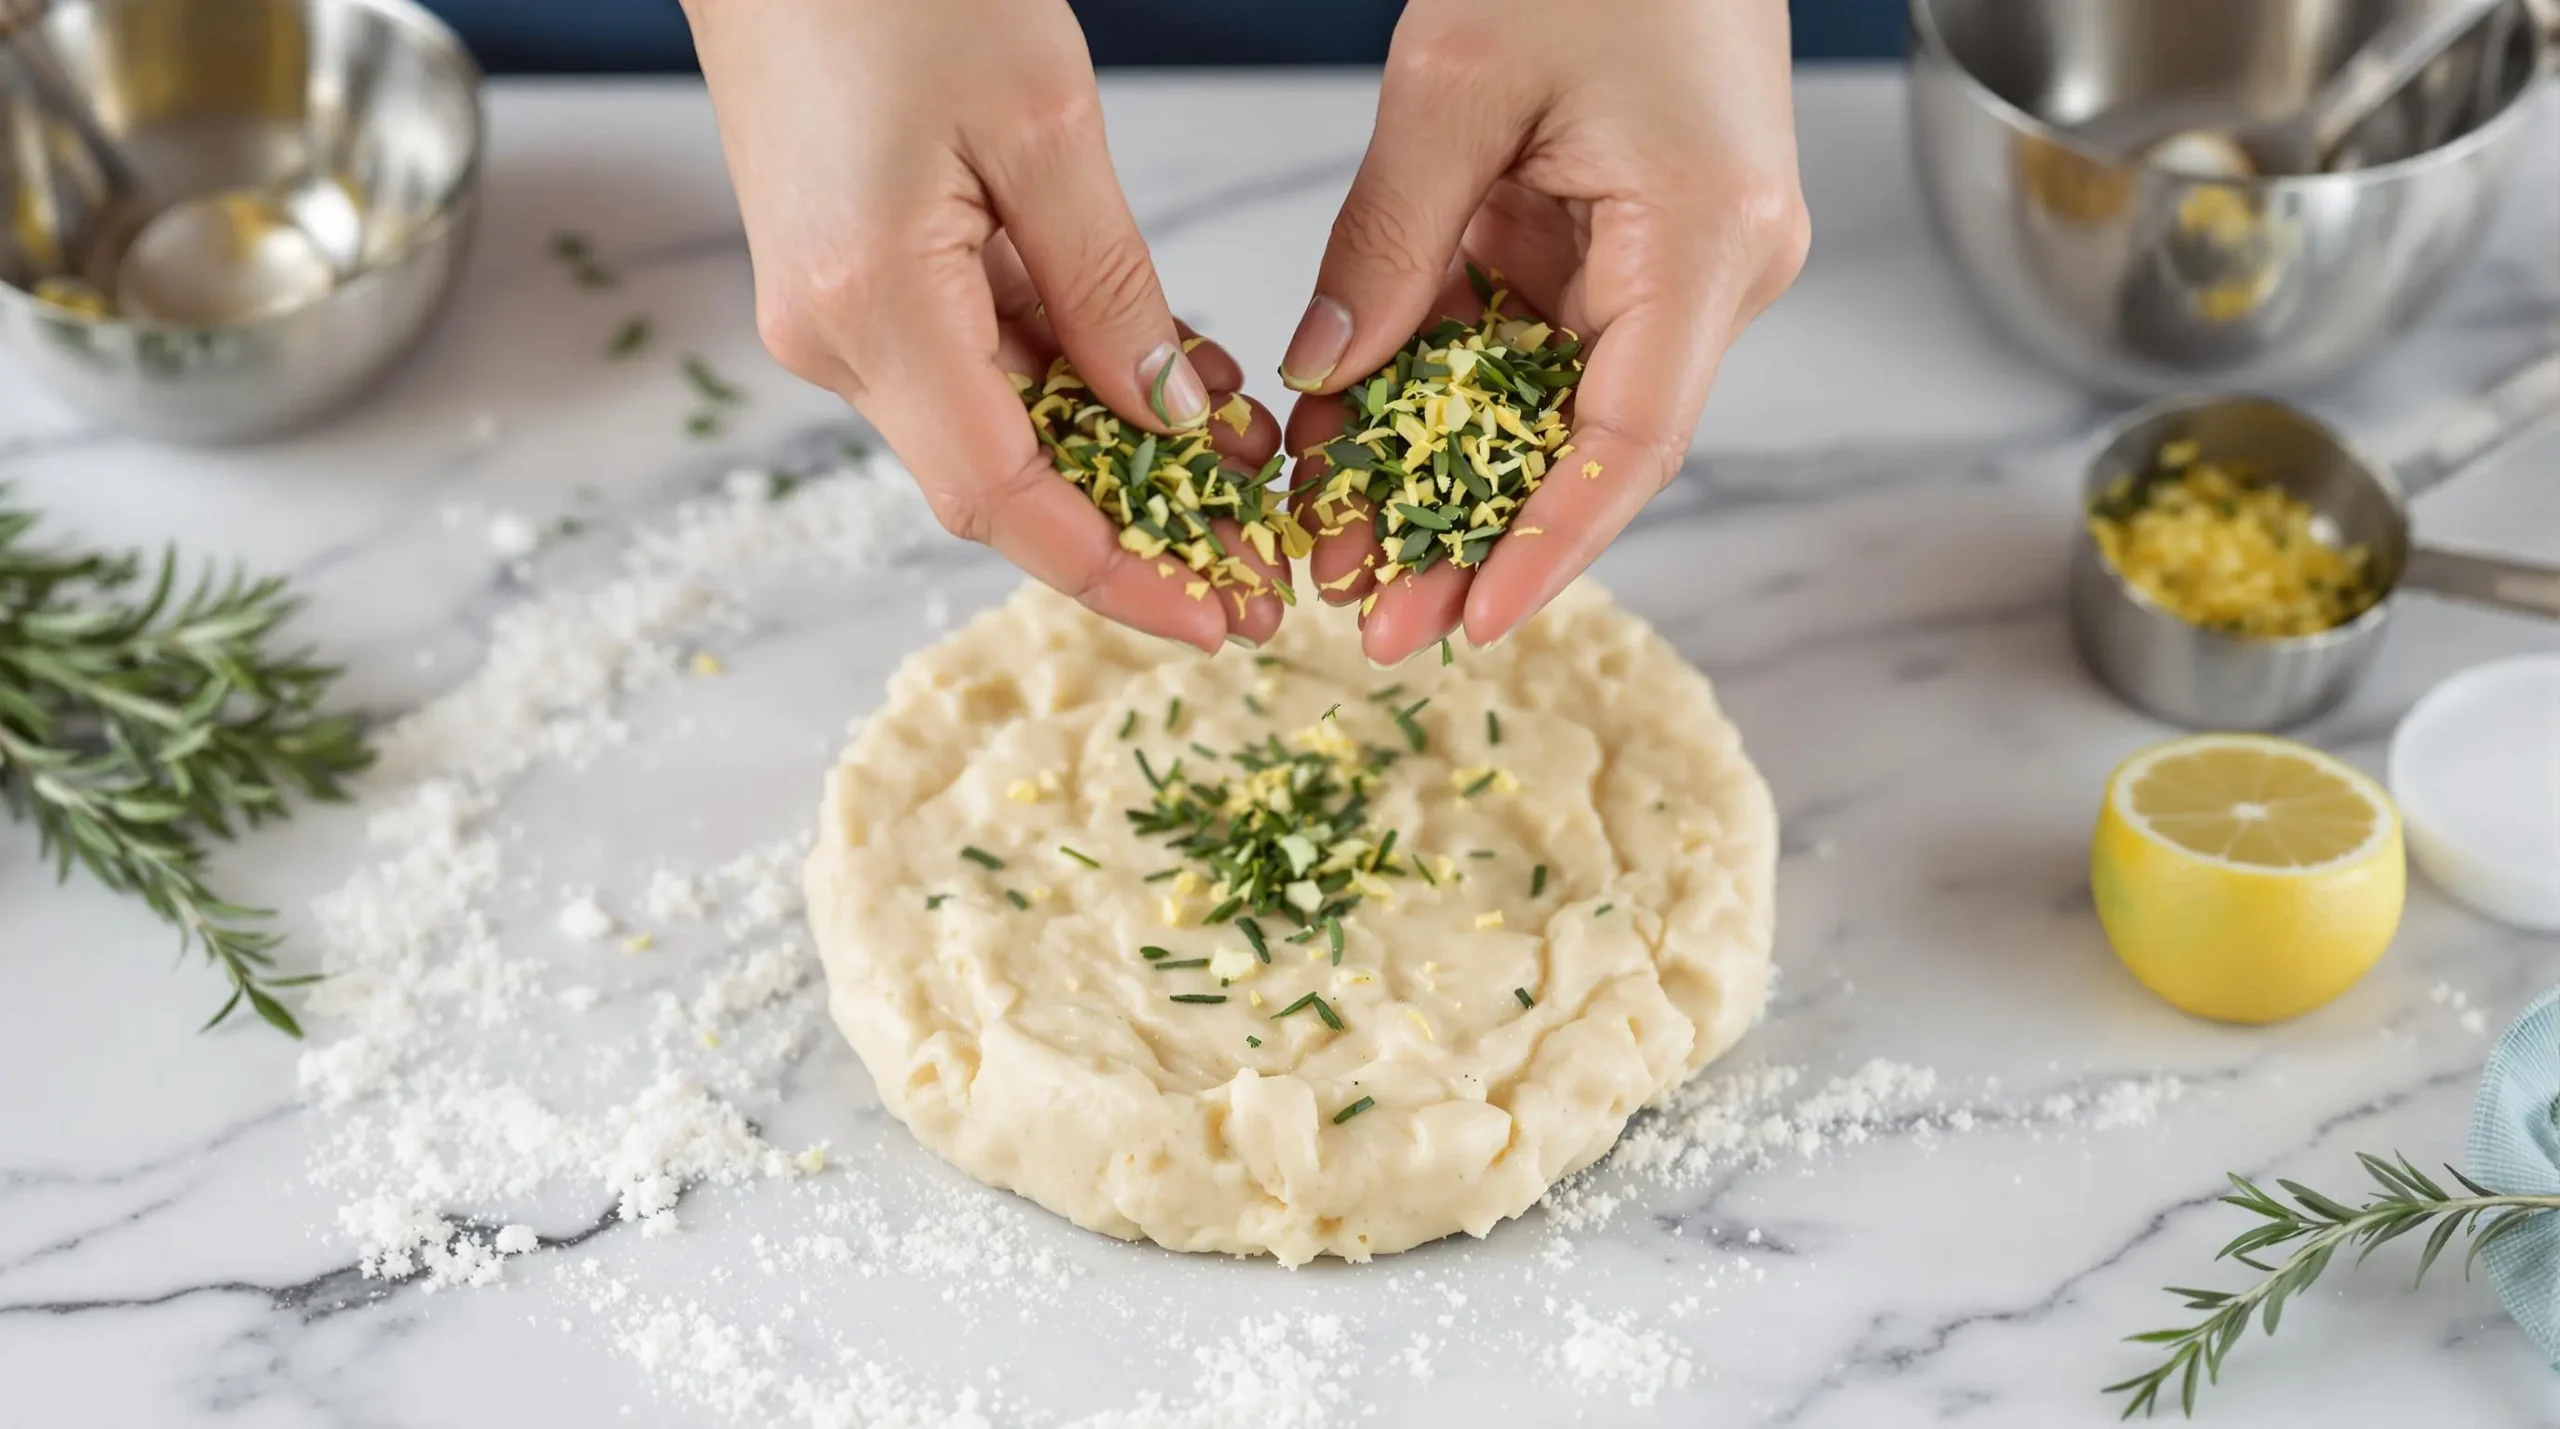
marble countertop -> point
(1866, 554)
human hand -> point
(1630, 170)
(929, 206)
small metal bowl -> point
(374, 100)
(2139, 281)
(2206, 679)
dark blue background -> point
(590, 36)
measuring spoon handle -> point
(2528, 397)
(2520, 586)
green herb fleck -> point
(982, 858)
(1017, 900)
(1128, 724)
(1179, 963)
(1413, 734)
(935, 900)
(1481, 783)
(1087, 859)
(1447, 656)
(1354, 1110)
(1253, 934)
(1151, 952)
(1252, 1041)
(628, 339)
(1333, 936)
(1382, 696)
(1255, 705)
(1480, 853)
(1492, 728)
(1269, 662)
(1201, 997)
(1526, 1000)
(1172, 713)
(1161, 874)
(710, 386)
(1603, 910)
(1537, 880)
(702, 424)
(1323, 1009)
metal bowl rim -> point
(449, 210)
(2357, 629)
(1926, 38)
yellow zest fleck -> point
(706, 663)
(811, 1161)
(1447, 867)
(1195, 589)
(1237, 414)
(709, 1039)
(1528, 530)
(1467, 777)
(1189, 343)
(1169, 912)
(1040, 894)
(1422, 1022)
(1591, 471)
(1492, 919)
(639, 943)
(1023, 791)
(1344, 583)
(1253, 998)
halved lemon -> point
(2244, 878)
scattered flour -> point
(1613, 1355)
(512, 536)
(2458, 1002)
(584, 919)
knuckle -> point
(784, 327)
(1376, 232)
(1117, 277)
(1770, 214)
(962, 513)
(1452, 53)
(1053, 117)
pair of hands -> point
(930, 206)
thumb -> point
(1433, 157)
(1061, 205)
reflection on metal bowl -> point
(2140, 281)
(304, 179)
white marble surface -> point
(1866, 556)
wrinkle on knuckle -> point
(1115, 276)
(1376, 233)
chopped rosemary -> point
(1151, 952)
(1447, 441)
(1252, 1041)
(1163, 492)
(1172, 713)
(1253, 934)
(1447, 656)
(935, 900)
(981, 858)
(1413, 734)
(1161, 874)
(709, 385)
(1203, 750)
(1017, 900)
(1331, 710)
(1128, 724)
(1480, 783)
(1381, 696)
(1323, 1009)
(573, 250)
(1354, 1110)
(1269, 662)
(1182, 963)
(1603, 910)
(628, 339)
(702, 424)
(1537, 880)
(1333, 936)
(1480, 853)
(1208, 997)
(1088, 860)
(1255, 705)
(1492, 728)
(1526, 1000)
(1286, 836)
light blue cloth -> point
(2515, 1150)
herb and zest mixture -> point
(1164, 492)
(2219, 550)
(1446, 442)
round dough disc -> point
(1500, 1024)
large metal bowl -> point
(207, 96)
(2138, 281)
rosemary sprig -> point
(2406, 1199)
(135, 726)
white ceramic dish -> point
(2475, 766)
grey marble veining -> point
(1865, 552)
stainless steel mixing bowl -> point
(372, 97)
(2139, 281)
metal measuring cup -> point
(2205, 679)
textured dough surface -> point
(1038, 1051)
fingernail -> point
(1235, 639)
(1323, 335)
(1174, 388)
